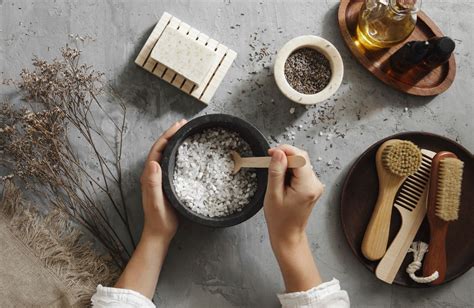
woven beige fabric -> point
(44, 261)
(24, 281)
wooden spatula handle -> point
(435, 259)
(294, 161)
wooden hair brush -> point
(443, 207)
(411, 204)
(395, 161)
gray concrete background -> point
(235, 267)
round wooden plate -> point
(359, 195)
(417, 82)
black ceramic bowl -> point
(249, 133)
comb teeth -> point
(448, 194)
(402, 158)
(413, 187)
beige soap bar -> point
(185, 56)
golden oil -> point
(385, 23)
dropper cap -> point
(442, 48)
(445, 46)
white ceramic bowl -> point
(324, 47)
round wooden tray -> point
(419, 83)
(359, 195)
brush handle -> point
(435, 259)
(375, 239)
(294, 161)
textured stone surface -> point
(235, 267)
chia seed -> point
(307, 71)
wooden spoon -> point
(294, 161)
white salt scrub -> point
(203, 178)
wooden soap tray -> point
(218, 68)
(415, 82)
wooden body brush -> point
(395, 161)
(443, 207)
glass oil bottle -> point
(385, 23)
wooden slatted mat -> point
(186, 58)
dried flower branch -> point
(63, 97)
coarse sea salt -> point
(203, 178)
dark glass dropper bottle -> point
(409, 55)
(440, 51)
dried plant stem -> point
(38, 150)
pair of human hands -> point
(288, 203)
(287, 209)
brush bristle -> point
(448, 195)
(402, 158)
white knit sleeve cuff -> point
(116, 297)
(328, 294)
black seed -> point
(307, 71)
